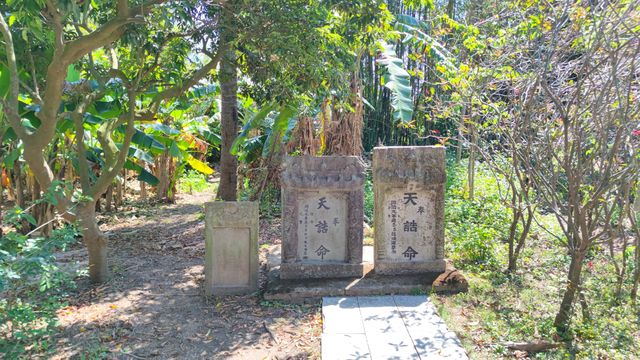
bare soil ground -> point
(154, 305)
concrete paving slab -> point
(395, 327)
(341, 315)
(386, 333)
(345, 347)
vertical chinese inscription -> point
(306, 231)
(410, 225)
(393, 208)
(322, 227)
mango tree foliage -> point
(97, 72)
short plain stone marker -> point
(409, 209)
(231, 247)
(322, 217)
(386, 327)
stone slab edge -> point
(314, 271)
(398, 268)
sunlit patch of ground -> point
(154, 305)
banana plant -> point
(275, 123)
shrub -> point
(193, 180)
(474, 228)
(368, 198)
(32, 286)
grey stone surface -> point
(341, 315)
(231, 247)
(409, 204)
(345, 347)
(395, 327)
(322, 217)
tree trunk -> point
(227, 189)
(573, 283)
(19, 185)
(471, 169)
(162, 173)
(95, 241)
(451, 8)
(143, 190)
(108, 201)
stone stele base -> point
(389, 267)
(231, 248)
(369, 284)
(324, 270)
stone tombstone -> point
(409, 209)
(322, 217)
(231, 247)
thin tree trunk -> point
(164, 176)
(460, 141)
(120, 188)
(143, 190)
(109, 198)
(451, 6)
(471, 170)
(19, 185)
(632, 214)
(2, 182)
(227, 189)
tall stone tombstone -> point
(231, 247)
(322, 217)
(408, 186)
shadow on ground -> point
(154, 305)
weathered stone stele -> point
(231, 247)
(409, 209)
(322, 217)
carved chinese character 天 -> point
(410, 197)
(410, 226)
(410, 253)
(421, 210)
(322, 251)
(322, 227)
(322, 203)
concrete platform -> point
(299, 290)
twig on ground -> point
(128, 354)
(533, 346)
(264, 324)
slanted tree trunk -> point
(573, 285)
(227, 189)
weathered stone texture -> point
(231, 247)
(322, 217)
(409, 202)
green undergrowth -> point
(32, 287)
(520, 307)
(194, 181)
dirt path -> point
(154, 305)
